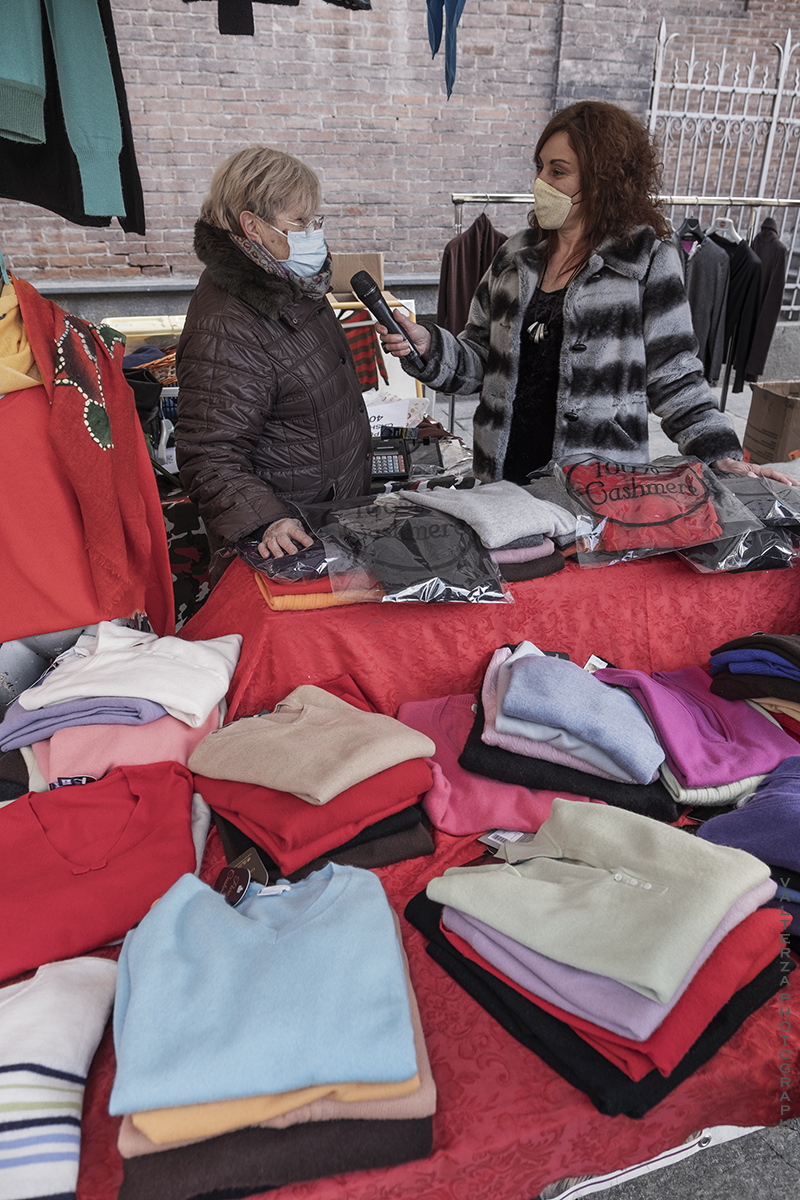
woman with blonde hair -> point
(270, 412)
(581, 326)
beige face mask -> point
(551, 207)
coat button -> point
(570, 416)
(579, 347)
(342, 360)
(294, 320)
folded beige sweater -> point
(313, 745)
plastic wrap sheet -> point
(406, 553)
(757, 550)
(774, 504)
(506, 1124)
(637, 510)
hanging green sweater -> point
(87, 92)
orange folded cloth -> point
(286, 599)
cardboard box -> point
(773, 424)
(346, 265)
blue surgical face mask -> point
(307, 252)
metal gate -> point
(732, 129)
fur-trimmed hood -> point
(236, 274)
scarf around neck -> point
(313, 286)
(18, 368)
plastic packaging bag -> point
(759, 550)
(391, 550)
(307, 565)
(633, 511)
(774, 504)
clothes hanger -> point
(724, 227)
(690, 228)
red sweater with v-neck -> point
(82, 864)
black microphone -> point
(369, 294)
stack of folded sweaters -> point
(545, 723)
(110, 816)
(267, 1043)
(517, 528)
(622, 951)
(321, 776)
(764, 667)
(717, 750)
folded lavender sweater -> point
(21, 727)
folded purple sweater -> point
(21, 726)
(768, 826)
(708, 741)
(606, 1002)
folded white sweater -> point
(187, 678)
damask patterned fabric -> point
(653, 615)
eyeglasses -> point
(313, 225)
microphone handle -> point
(381, 311)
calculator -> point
(390, 459)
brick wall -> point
(358, 97)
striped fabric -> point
(363, 342)
(40, 1131)
(50, 1026)
(629, 348)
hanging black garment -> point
(48, 174)
(774, 256)
(706, 274)
(236, 16)
(740, 319)
(465, 260)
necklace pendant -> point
(537, 332)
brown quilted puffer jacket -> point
(269, 407)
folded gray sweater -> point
(498, 512)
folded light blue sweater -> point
(552, 691)
(284, 991)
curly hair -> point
(619, 169)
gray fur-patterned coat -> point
(628, 347)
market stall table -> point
(654, 615)
(506, 1124)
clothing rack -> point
(459, 199)
(754, 203)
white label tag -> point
(274, 889)
(593, 663)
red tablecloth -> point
(507, 1124)
(656, 614)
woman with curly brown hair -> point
(581, 324)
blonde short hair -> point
(262, 181)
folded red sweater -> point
(646, 507)
(293, 831)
